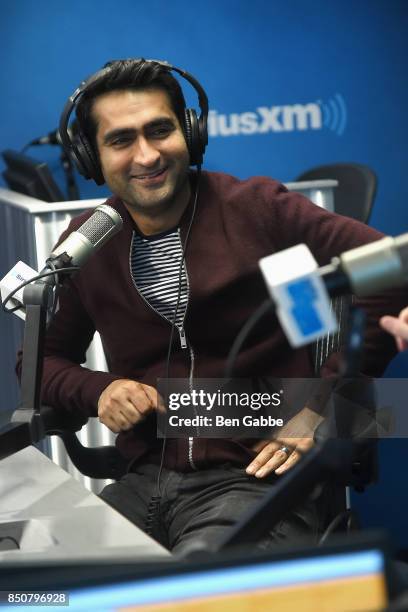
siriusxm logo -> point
(287, 118)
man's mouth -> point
(150, 176)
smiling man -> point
(143, 156)
(185, 261)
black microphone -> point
(368, 269)
(52, 138)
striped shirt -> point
(155, 266)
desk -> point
(55, 518)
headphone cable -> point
(155, 499)
(173, 325)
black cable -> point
(338, 519)
(12, 540)
(52, 272)
(243, 334)
(51, 265)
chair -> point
(354, 196)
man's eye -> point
(161, 132)
(121, 142)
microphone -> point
(368, 269)
(76, 249)
(301, 290)
(54, 138)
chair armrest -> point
(99, 462)
(104, 462)
(58, 420)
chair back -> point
(355, 194)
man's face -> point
(143, 153)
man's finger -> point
(110, 424)
(263, 457)
(289, 463)
(279, 458)
(394, 326)
(155, 399)
(131, 412)
(140, 400)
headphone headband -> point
(195, 129)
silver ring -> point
(286, 450)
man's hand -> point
(296, 436)
(124, 403)
(398, 327)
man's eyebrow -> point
(120, 132)
(165, 121)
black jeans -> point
(196, 508)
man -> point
(137, 290)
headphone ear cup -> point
(85, 159)
(193, 139)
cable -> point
(243, 334)
(56, 292)
(173, 324)
(12, 540)
(52, 272)
(338, 519)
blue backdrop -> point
(291, 85)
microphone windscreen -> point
(103, 223)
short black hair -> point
(128, 74)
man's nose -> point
(145, 153)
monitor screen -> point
(30, 177)
(341, 582)
(352, 573)
(342, 578)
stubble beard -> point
(153, 206)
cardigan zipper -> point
(192, 359)
(183, 338)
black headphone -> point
(81, 151)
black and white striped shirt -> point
(155, 265)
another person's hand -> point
(398, 327)
(296, 437)
(124, 403)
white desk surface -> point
(68, 521)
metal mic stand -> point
(330, 457)
(26, 427)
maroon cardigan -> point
(237, 223)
